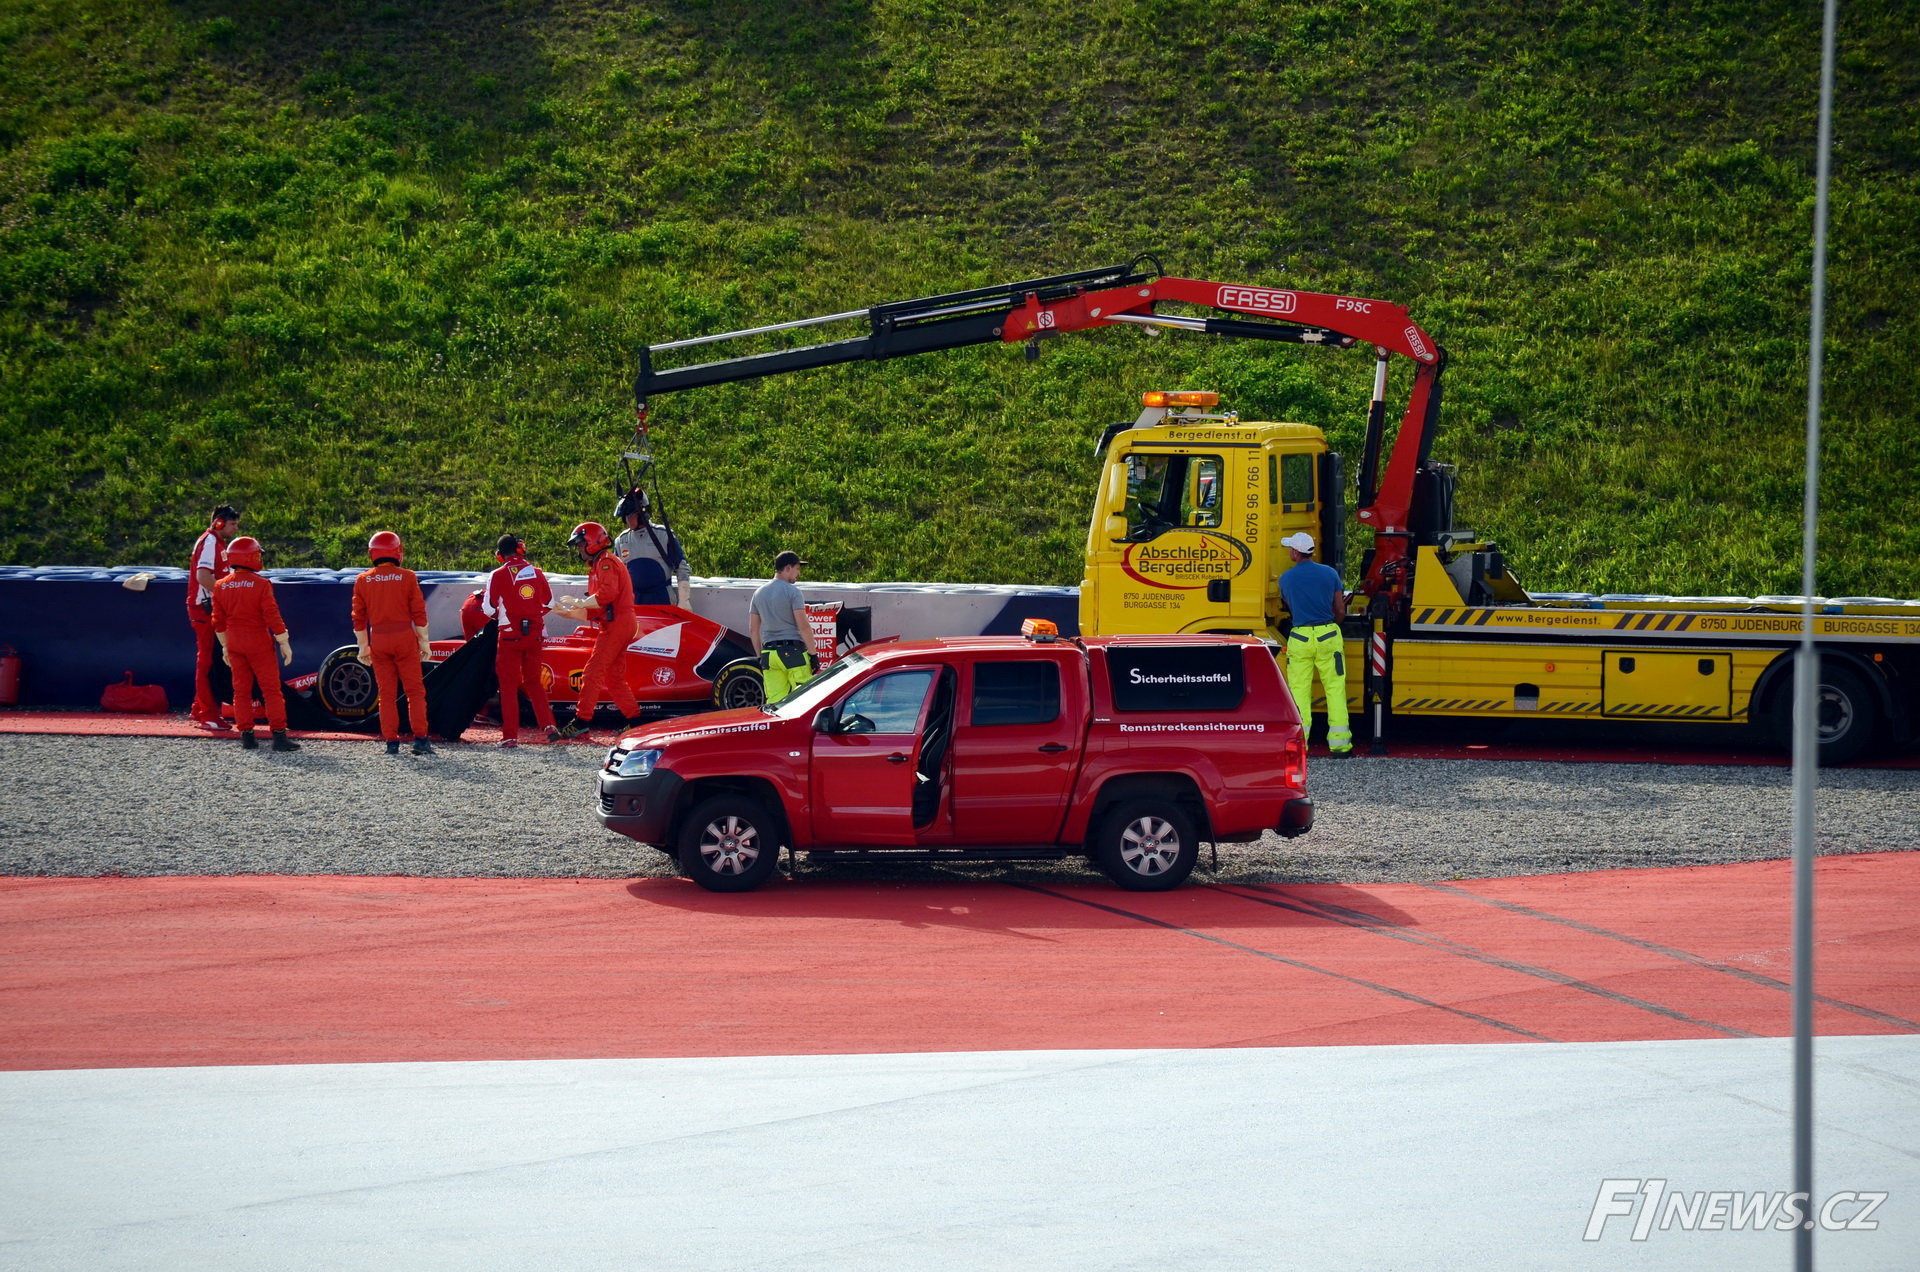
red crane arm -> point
(1313, 318)
(1117, 295)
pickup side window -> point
(1156, 678)
(1024, 692)
(886, 704)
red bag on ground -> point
(134, 699)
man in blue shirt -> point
(1316, 599)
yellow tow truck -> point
(1186, 538)
(1193, 502)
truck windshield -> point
(807, 697)
(1165, 491)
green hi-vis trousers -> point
(1320, 649)
(784, 667)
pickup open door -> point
(864, 765)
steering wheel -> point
(856, 724)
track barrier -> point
(79, 628)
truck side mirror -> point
(823, 720)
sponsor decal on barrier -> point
(1185, 560)
(823, 622)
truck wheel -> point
(729, 844)
(739, 684)
(1845, 707)
(346, 688)
(1848, 714)
(1147, 845)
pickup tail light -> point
(1293, 768)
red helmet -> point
(384, 544)
(590, 538)
(245, 552)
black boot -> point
(281, 742)
(247, 740)
(423, 747)
(393, 747)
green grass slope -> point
(370, 265)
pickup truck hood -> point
(742, 720)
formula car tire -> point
(739, 684)
(345, 687)
(1147, 845)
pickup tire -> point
(1147, 845)
(729, 843)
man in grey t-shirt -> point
(777, 623)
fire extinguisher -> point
(9, 677)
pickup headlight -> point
(638, 763)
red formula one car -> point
(677, 662)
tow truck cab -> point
(1186, 533)
(1127, 750)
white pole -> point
(1806, 735)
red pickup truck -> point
(1130, 750)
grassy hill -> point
(386, 265)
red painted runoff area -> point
(103, 973)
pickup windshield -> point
(805, 699)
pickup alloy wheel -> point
(729, 844)
(1147, 845)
